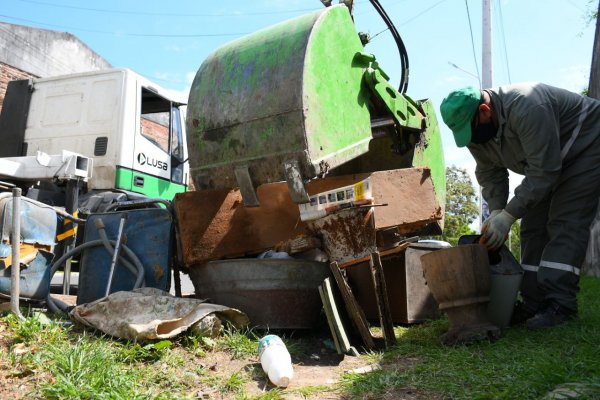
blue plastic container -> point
(34, 282)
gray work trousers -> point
(555, 234)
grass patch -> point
(523, 364)
(57, 361)
(238, 343)
(86, 369)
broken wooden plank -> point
(383, 305)
(330, 319)
(401, 247)
(347, 235)
(299, 244)
(354, 311)
(339, 326)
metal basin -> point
(274, 293)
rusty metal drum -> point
(274, 293)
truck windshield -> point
(177, 151)
(155, 119)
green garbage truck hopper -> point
(288, 92)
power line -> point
(412, 18)
(473, 43)
(168, 35)
(501, 24)
(163, 14)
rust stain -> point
(158, 272)
(347, 235)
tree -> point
(514, 241)
(461, 205)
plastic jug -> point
(275, 360)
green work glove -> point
(495, 229)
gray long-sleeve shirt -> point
(542, 130)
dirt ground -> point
(318, 369)
(319, 366)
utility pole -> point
(486, 45)
(594, 88)
(592, 258)
(486, 78)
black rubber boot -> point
(550, 315)
(521, 313)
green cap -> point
(458, 110)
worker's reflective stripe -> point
(560, 266)
(575, 133)
(530, 268)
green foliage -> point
(461, 205)
(28, 330)
(86, 369)
(514, 240)
(238, 343)
(135, 352)
(66, 363)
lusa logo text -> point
(153, 162)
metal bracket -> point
(293, 176)
(406, 112)
(242, 176)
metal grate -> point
(100, 146)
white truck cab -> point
(133, 129)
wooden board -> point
(213, 224)
(354, 311)
(330, 319)
(383, 305)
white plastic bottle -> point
(275, 360)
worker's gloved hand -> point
(495, 229)
(492, 215)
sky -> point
(548, 41)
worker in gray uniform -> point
(551, 136)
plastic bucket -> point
(506, 277)
(503, 295)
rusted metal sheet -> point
(347, 235)
(213, 224)
(409, 193)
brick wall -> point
(156, 133)
(7, 74)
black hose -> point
(168, 205)
(139, 268)
(403, 86)
(139, 204)
(110, 249)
